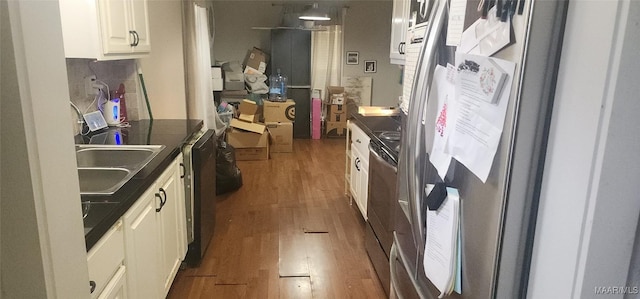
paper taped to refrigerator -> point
(479, 122)
(486, 36)
(441, 264)
(440, 116)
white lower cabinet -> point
(359, 179)
(106, 262)
(172, 217)
(140, 256)
(142, 241)
(359, 170)
(117, 287)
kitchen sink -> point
(102, 180)
(104, 169)
(115, 156)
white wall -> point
(43, 249)
(589, 201)
(367, 30)
(163, 69)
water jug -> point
(278, 87)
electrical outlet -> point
(89, 85)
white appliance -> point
(111, 112)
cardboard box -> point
(248, 111)
(337, 99)
(255, 61)
(335, 92)
(249, 146)
(247, 126)
(281, 135)
(336, 129)
(279, 111)
(337, 113)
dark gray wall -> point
(367, 29)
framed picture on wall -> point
(352, 58)
(370, 66)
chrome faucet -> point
(80, 117)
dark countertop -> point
(105, 210)
(373, 125)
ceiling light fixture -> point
(314, 14)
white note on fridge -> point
(483, 88)
(441, 246)
(440, 116)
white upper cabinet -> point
(140, 25)
(399, 25)
(105, 29)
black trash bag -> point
(228, 175)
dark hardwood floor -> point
(289, 232)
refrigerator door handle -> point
(417, 180)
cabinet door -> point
(399, 24)
(354, 175)
(114, 26)
(142, 246)
(140, 24)
(117, 287)
(105, 258)
(169, 227)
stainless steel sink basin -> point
(104, 169)
(102, 180)
(115, 156)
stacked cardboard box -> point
(256, 61)
(279, 117)
(250, 139)
(336, 114)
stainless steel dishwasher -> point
(200, 188)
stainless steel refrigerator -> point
(498, 216)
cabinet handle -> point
(358, 141)
(133, 34)
(358, 164)
(161, 204)
(400, 48)
(137, 37)
(164, 195)
(184, 170)
(92, 286)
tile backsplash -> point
(112, 73)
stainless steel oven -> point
(381, 204)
